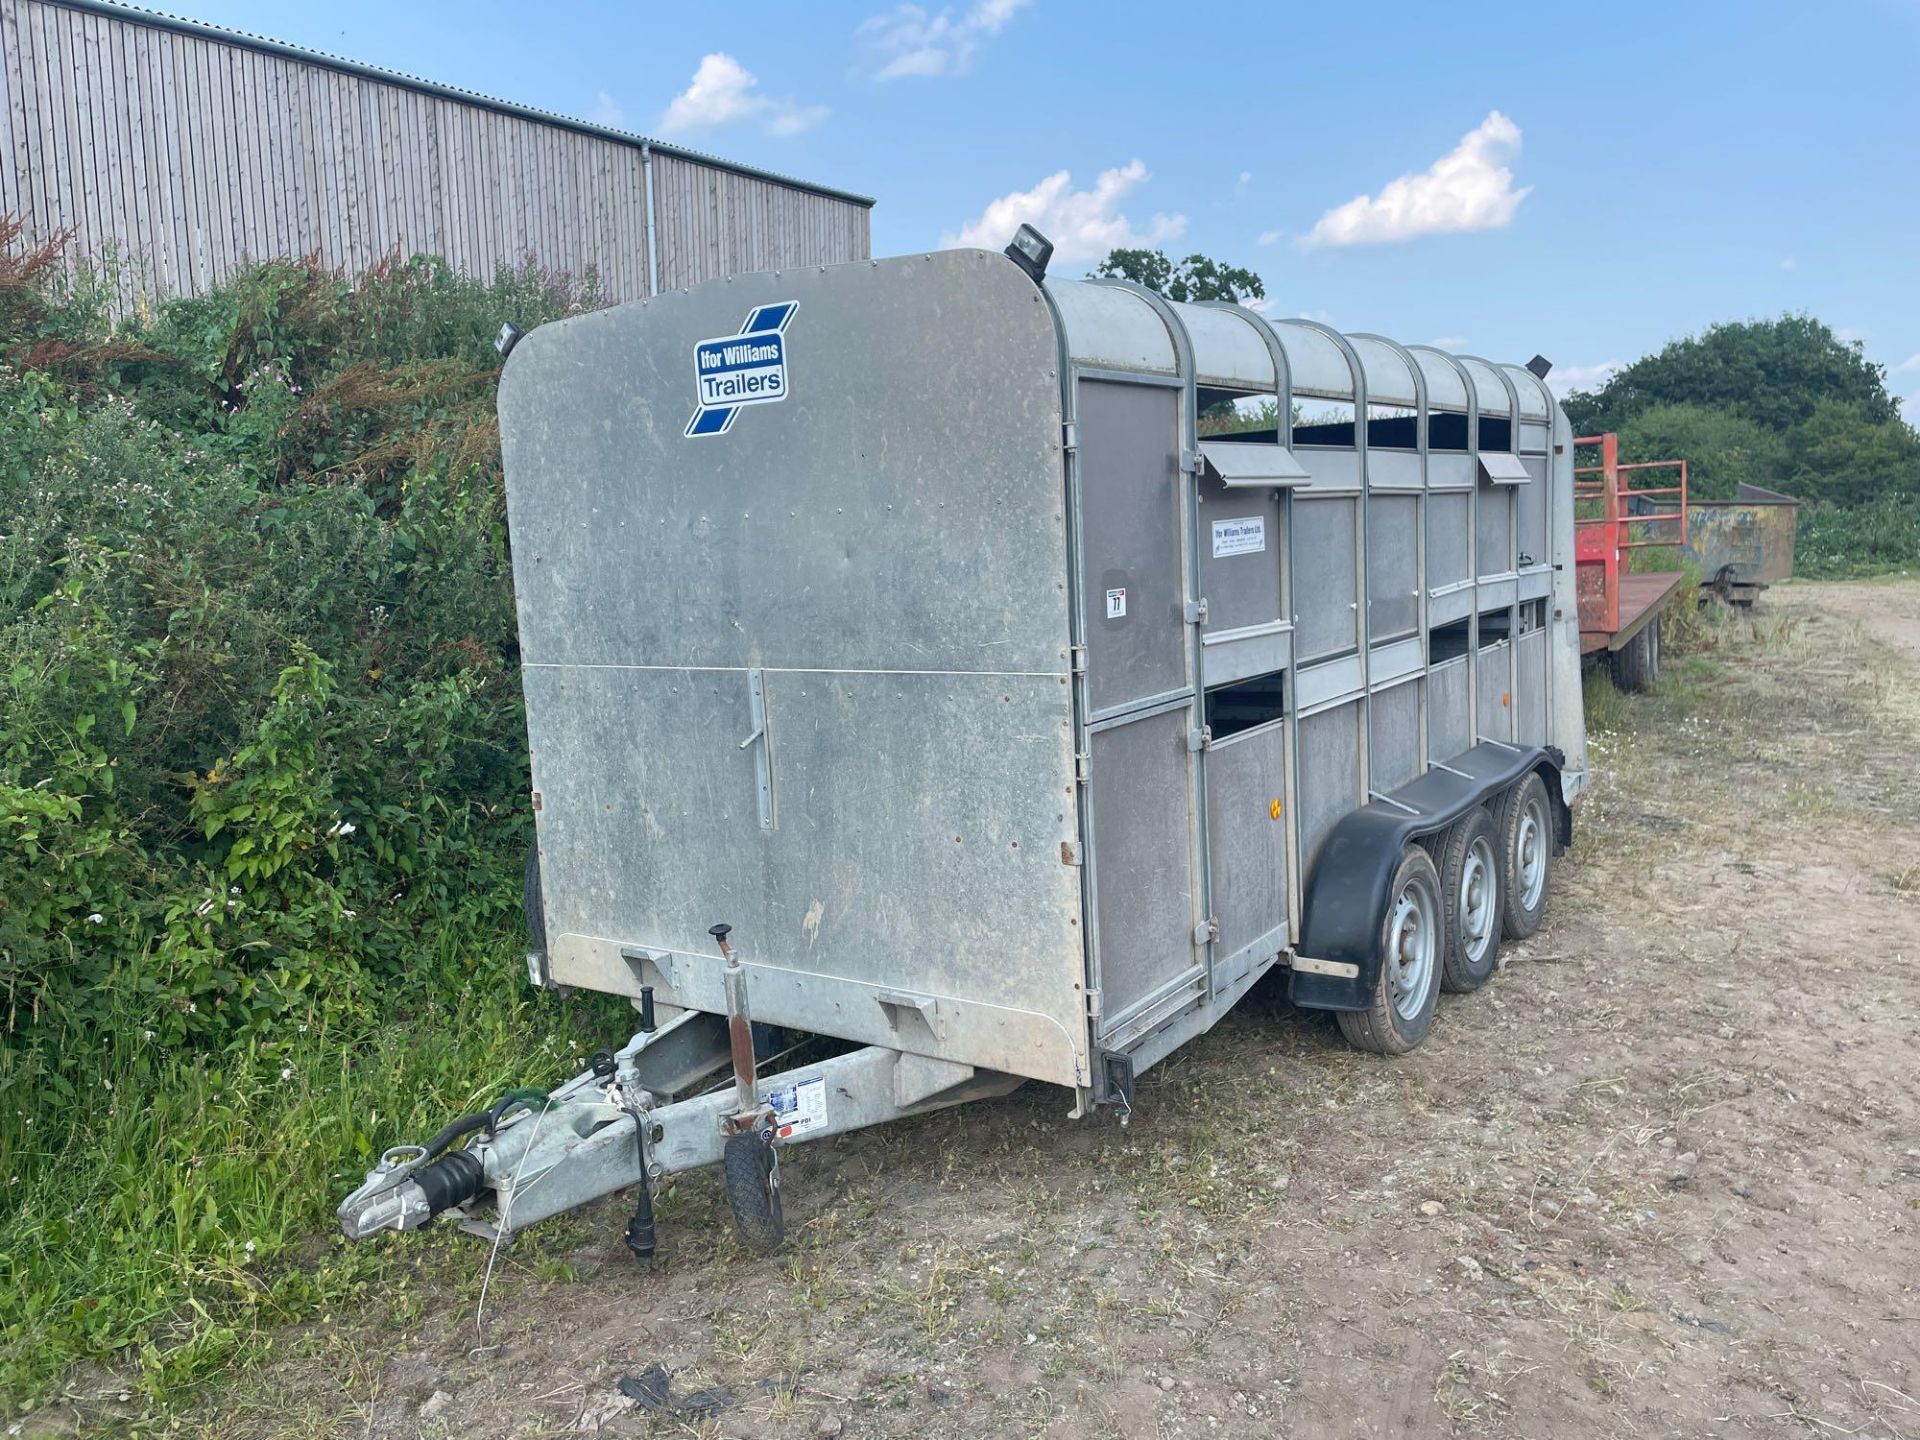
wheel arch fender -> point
(1346, 891)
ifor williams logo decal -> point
(731, 372)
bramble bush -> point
(1874, 538)
(262, 768)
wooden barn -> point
(190, 150)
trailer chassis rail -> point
(630, 1121)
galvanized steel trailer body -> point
(1006, 718)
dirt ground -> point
(1660, 1178)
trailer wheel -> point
(1473, 890)
(753, 1192)
(1526, 850)
(1636, 665)
(1412, 952)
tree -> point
(1773, 372)
(1720, 449)
(1198, 277)
(1841, 454)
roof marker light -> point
(1031, 251)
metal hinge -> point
(1190, 461)
(1077, 656)
(1070, 436)
(1195, 611)
(762, 746)
(1093, 1004)
(1206, 931)
(1198, 740)
(1082, 763)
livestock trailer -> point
(924, 701)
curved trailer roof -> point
(1117, 326)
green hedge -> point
(262, 779)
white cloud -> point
(1911, 363)
(606, 111)
(1242, 184)
(1468, 188)
(1448, 342)
(1082, 224)
(1564, 379)
(1267, 237)
(1789, 263)
(1850, 334)
(1325, 317)
(910, 42)
(725, 92)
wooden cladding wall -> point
(710, 222)
(190, 154)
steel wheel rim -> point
(1530, 854)
(1477, 894)
(1412, 930)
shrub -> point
(262, 763)
(1836, 541)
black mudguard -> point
(1347, 892)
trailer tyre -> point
(1526, 849)
(1473, 894)
(1412, 953)
(1636, 665)
(753, 1192)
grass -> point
(161, 1233)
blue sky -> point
(1584, 181)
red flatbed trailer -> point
(1613, 517)
(1640, 600)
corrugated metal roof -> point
(140, 15)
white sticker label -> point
(1239, 537)
(1116, 604)
(799, 1107)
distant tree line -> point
(1782, 403)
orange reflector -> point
(1273, 810)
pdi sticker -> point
(799, 1107)
(1116, 604)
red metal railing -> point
(1613, 515)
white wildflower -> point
(286, 1072)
